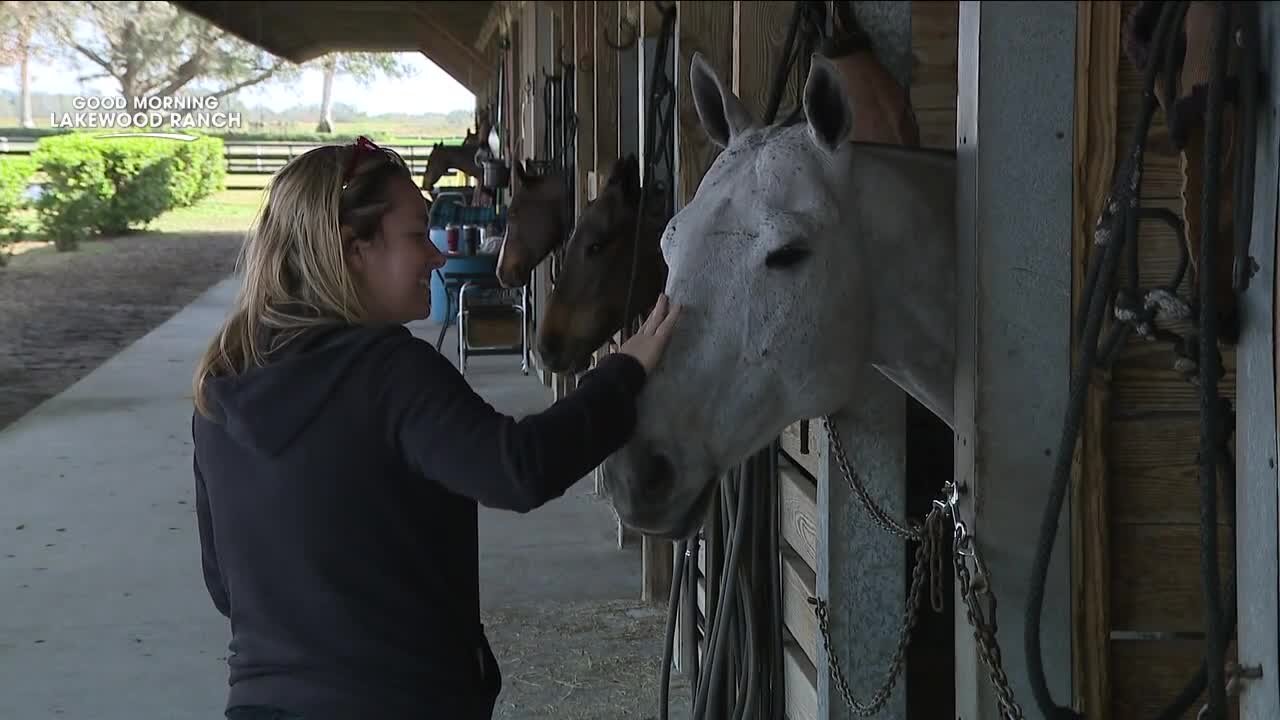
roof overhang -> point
(445, 32)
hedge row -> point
(110, 185)
(15, 176)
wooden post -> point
(629, 105)
(511, 141)
(1014, 208)
(607, 75)
(543, 61)
(603, 138)
(1097, 73)
(585, 93)
(1258, 557)
(605, 79)
(567, 44)
(706, 27)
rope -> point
(1210, 370)
(1197, 358)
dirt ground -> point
(582, 661)
(63, 314)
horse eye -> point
(594, 248)
(786, 256)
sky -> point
(429, 90)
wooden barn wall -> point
(1136, 529)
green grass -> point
(226, 211)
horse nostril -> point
(552, 345)
(660, 476)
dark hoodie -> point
(337, 493)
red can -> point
(452, 236)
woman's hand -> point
(650, 342)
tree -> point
(364, 67)
(154, 49)
(25, 36)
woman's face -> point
(395, 268)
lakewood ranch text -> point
(178, 112)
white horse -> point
(801, 257)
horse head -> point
(801, 257)
(445, 159)
(536, 224)
(589, 300)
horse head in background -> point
(802, 258)
(885, 114)
(445, 159)
(536, 224)
(589, 301)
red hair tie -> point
(361, 145)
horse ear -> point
(826, 106)
(626, 175)
(521, 174)
(721, 112)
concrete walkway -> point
(105, 615)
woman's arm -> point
(446, 431)
(208, 553)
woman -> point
(339, 460)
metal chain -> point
(984, 623)
(928, 555)
(929, 547)
(881, 518)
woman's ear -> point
(353, 249)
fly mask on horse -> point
(589, 300)
(801, 257)
(536, 225)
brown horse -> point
(589, 301)
(536, 224)
(445, 159)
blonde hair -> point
(293, 261)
